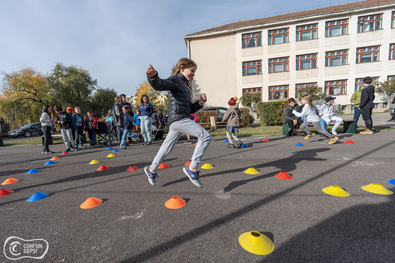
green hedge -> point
(271, 113)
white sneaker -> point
(334, 132)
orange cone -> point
(54, 158)
(266, 140)
(283, 175)
(102, 168)
(4, 192)
(188, 163)
(175, 203)
(65, 153)
(91, 202)
(349, 142)
(196, 143)
(9, 181)
(163, 166)
(132, 168)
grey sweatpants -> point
(186, 126)
(317, 126)
(67, 137)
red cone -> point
(132, 168)
(349, 142)
(283, 175)
(102, 168)
(163, 166)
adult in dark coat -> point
(367, 104)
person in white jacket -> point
(46, 127)
(311, 111)
(327, 114)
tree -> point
(386, 89)
(23, 94)
(102, 101)
(315, 91)
(72, 86)
(146, 89)
(247, 99)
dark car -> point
(28, 130)
(221, 112)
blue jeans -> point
(357, 113)
(145, 123)
(124, 136)
(323, 124)
(120, 132)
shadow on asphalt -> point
(165, 246)
(372, 239)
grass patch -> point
(32, 141)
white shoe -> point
(334, 132)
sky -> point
(115, 40)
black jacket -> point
(180, 97)
(367, 97)
(65, 117)
(128, 120)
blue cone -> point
(115, 151)
(49, 163)
(33, 171)
(299, 144)
(391, 181)
(226, 141)
(37, 196)
(109, 148)
(244, 145)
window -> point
(336, 58)
(252, 40)
(368, 54)
(301, 86)
(336, 87)
(393, 20)
(278, 92)
(392, 77)
(392, 52)
(358, 82)
(252, 68)
(369, 23)
(306, 61)
(278, 65)
(253, 91)
(278, 36)
(336, 28)
(306, 32)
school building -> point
(332, 47)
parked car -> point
(221, 112)
(28, 130)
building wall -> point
(220, 58)
(216, 74)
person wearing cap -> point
(70, 111)
(367, 104)
(233, 116)
(327, 114)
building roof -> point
(295, 15)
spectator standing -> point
(46, 127)
(79, 126)
(366, 105)
(146, 111)
(64, 119)
(90, 126)
(356, 100)
(118, 117)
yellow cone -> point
(110, 155)
(207, 166)
(251, 170)
(377, 189)
(335, 190)
(256, 243)
(94, 162)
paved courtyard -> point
(133, 224)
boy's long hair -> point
(184, 63)
(309, 100)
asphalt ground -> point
(133, 224)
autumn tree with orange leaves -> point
(22, 95)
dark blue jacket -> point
(65, 117)
(180, 97)
(367, 97)
(128, 120)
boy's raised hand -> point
(151, 72)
